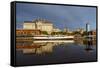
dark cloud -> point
(61, 16)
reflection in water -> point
(56, 51)
(89, 44)
(40, 47)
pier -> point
(53, 37)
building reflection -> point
(36, 48)
(88, 44)
(43, 47)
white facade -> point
(41, 25)
(29, 26)
(56, 30)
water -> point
(56, 51)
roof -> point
(28, 22)
(42, 20)
(37, 20)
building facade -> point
(28, 32)
(56, 30)
(39, 24)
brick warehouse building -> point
(28, 32)
(23, 35)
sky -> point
(71, 17)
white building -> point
(81, 30)
(28, 25)
(56, 30)
(40, 24)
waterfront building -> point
(28, 25)
(80, 30)
(87, 27)
(23, 35)
(56, 30)
(93, 32)
(27, 32)
(39, 24)
(66, 30)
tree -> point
(84, 33)
(44, 32)
(76, 32)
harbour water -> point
(56, 51)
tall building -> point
(39, 24)
(87, 27)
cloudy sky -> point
(71, 17)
